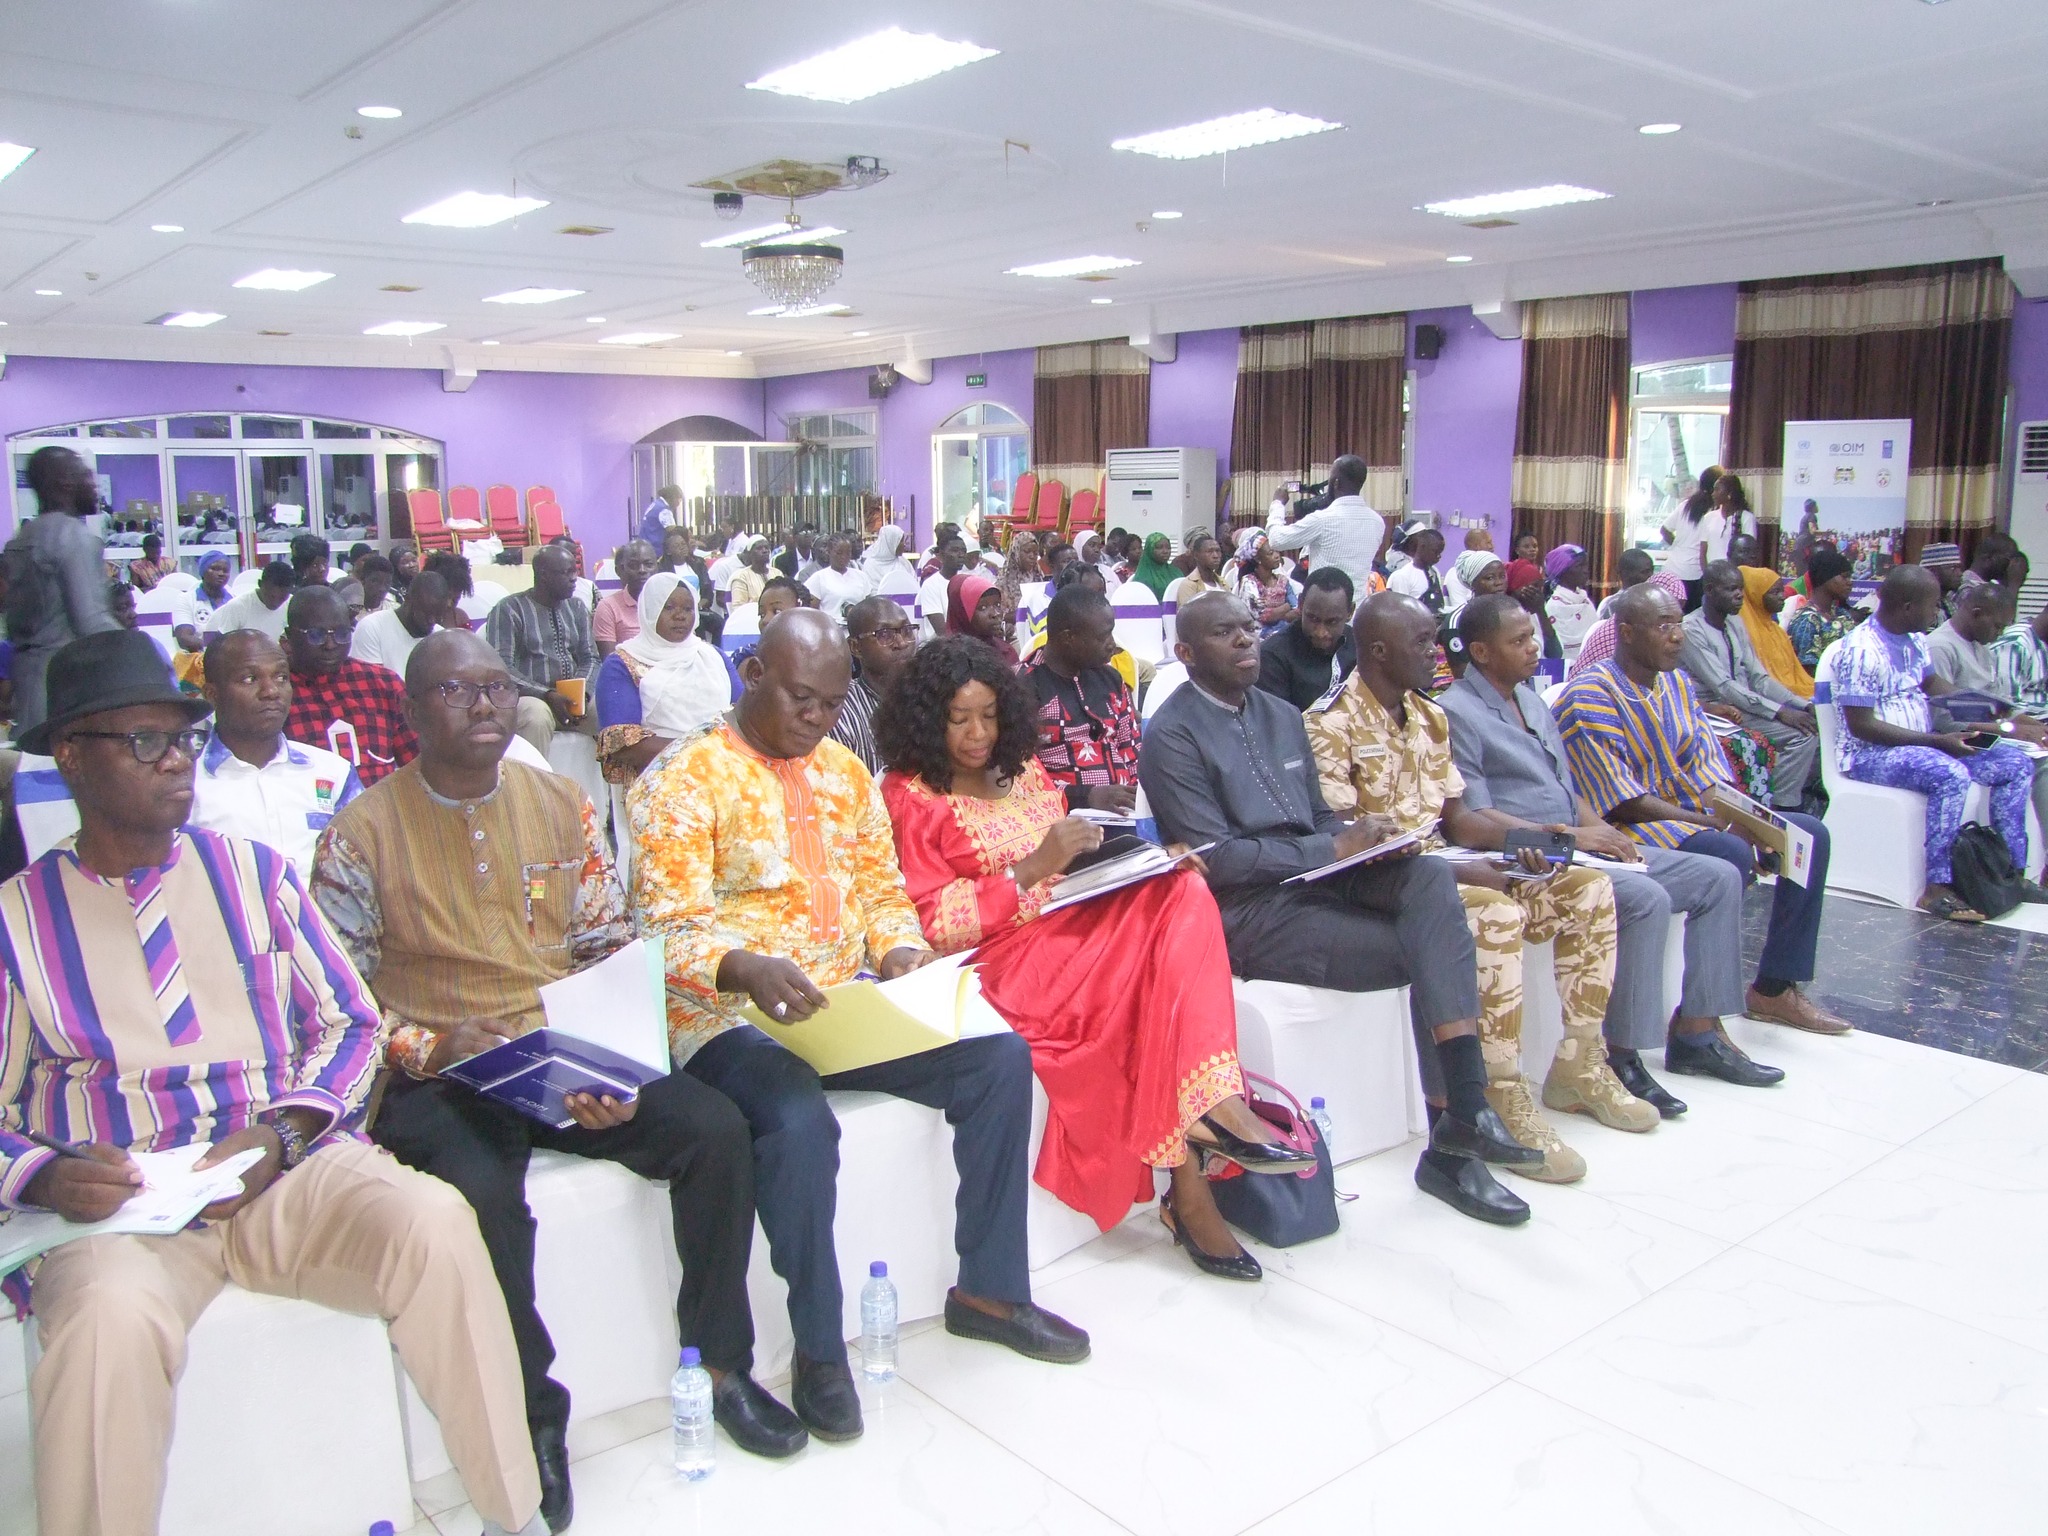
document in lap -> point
(607, 1033)
(1364, 856)
(868, 1021)
(172, 1194)
(1144, 862)
(1793, 846)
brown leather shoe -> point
(1795, 1008)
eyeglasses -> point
(324, 636)
(892, 634)
(150, 746)
(462, 694)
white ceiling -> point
(1815, 132)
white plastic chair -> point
(1165, 681)
(1139, 627)
(742, 628)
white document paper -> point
(172, 1194)
(1111, 875)
(1364, 856)
(620, 1003)
(1104, 818)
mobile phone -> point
(1980, 739)
(1557, 847)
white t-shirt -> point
(931, 605)
(837, 591)
(1686, 538)
(1571, 614)
(285, 804)
(248, 612)
(383, 640)
(1719, 530)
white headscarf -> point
(684, 686)
(883, 555)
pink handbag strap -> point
(1301, 1137)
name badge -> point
(1372, 749)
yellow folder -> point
(867, 1022)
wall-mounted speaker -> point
(881, 381)
(1429, 341)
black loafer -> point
(757, 1423)
(551, 1459)
(1029, 1330)
(1236, 1266)
(1485, 1137)
(822, 1392)
(1635, 1077)
(1712, 1054)
(1472, 1191)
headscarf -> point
(1823, 566)
(1522, 573)
(1081, 547)
(1155, 573)
(963, 595)
(1774, 647)
(882, 556)
(1559, 559)
(684, 686)
(1602, 638)
(1468, 566)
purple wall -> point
(1464, 426)
(2030, 361)
(1195, 395)
(1668, 325)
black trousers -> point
(683, 1133)
(984, 1087)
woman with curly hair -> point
(1125, 999)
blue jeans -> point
(1794, 933)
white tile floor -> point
(1813, 1309)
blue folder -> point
(535, 1072)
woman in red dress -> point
(1125, 999)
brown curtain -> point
(1087, 399)
(1930, 343)
(1309, 393)
(1571, 429)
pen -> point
(61, 1148)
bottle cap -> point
(690, 1355)
(878, 1270)
(1315, 1103)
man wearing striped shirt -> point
(1644, 755)
(164, 987)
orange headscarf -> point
(1773, 646)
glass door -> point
(132, 487)
(1004, 457)
(348, 499)
(278, 506)
(405, 472)
(1668, 450)
(956, 480)
(205, 489)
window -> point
(1678, 420)
(835, 455)
(977, 455)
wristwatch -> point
(290, 1139)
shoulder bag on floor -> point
(1983, 873)
(1279, 1209)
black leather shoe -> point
(1251, 1156)
(1635, 1077)
(1237, 1266)
(1472, 1191)
(758, 1424)
(551, 1457)
(823, 1395)
(1486, 1137)
(1029, 1330)
(1712, 1054)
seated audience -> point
(1528, 548)
(584, 590)
(1570, 607)
(662, 684)
(1020, 568)
(146, 570)
(312, 557)
(1633, 567)
(617, 615)
(345, 705)
(882, 637)
(284, 1069)
(1314, 651)
(121, 603)
(1155, 568)
(1085, 717)
(192, 616)
(975, 606)
(252, 782)
(459, 887)
(1946, 562)
(376, 573)
(1723, 661)
(1885, 686)
(2019, 659)
(1476, 573)
(1644, 756)
(1383, 749)
(262, 607)
(796, 559)
(1125, 1000)
(1960, 648)
(386, 638)
(763, 857)
(1988, 562)
(952, 557)
(1418, 578)
(1598, 645)
(1205, 550)
(1505, 743)
(752, 574)
(885, 565)
(454, 569)
(1263, 584)
(405, 564)
(544, 637)
(1523, 580)
(1826, 615)
(1456, 592)
(1345, 535)
(838, 583)
(1092, 549)
(1225, 763)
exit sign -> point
(977, 381)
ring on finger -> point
(781, 1009)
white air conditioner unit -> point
(2029, 521)
(1161, 490)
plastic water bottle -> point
(689, 1406)
(1319, 1117)
(878, 1324)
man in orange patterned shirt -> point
(764, 858)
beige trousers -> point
(350, 1229)
(1574, 911)
(536, 722)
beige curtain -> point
(1309, 393)
(1571, 429)
(1087, 399)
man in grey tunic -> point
(56, 576)
(1725, 665)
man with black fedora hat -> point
(146, 1009)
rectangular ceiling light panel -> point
(1495, 203)
(535, 295)
(781, 313)
(771, 234)
(191, 319)
(870, 65)
(1073, 266)
(639, 338)
(1219, 135)
(282, 279)
(474, 210)
(11, 157)
(405, 328)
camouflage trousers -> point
(1574, 912)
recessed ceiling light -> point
(1166, 213)
(49, 293)
(1457, 261)
(488, 343)
(734, 352)
(595, 320)
(1072, 266)
(1102, 301)
(282, 279)
(637, 338)
(535, 295)
(167, 229)
(405, 328)
(1656, 130)
(190, 319)
(474, 210)
(381, 114)
(780, 234)
(11, 157)
(1553, 196)
(1241, 130)
(863, 333)
(868, 66)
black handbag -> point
(1983, 872)
(1280, 1209)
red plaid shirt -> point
(1087, 729)
(372, 700)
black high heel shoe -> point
(1239, 1266)
(1251, 1156)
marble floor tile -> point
(1517, 1461)
(1142, 1431)
(918, 1471)
(2007, 1130)
(1502, 1298)
(1874, 1416)
(1135, 1233)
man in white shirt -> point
(192, 614)
(1346, 534)
(1283, 500)
(839, 583)
(252, 782)
(386, 638)
(931, 597)
(262, 609)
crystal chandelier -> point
(793, 272)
